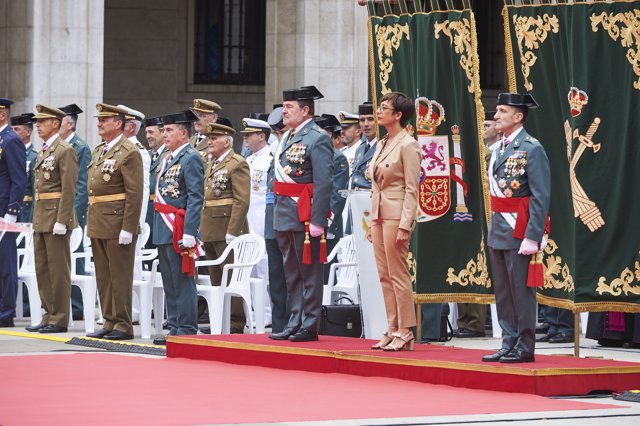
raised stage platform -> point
(447, 365)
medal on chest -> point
(296, 153)
(48, 165)
(219, 181)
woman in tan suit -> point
(395, 172)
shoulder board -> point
(317, 128)
(139, 145)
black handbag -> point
(341, 320)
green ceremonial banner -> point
(432, 57)
(581, 62)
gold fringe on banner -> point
(511, 66)
(484, 299)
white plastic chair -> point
(27, 276)
(343, 275)
(148, 294)
(247, 250)
(86, 283)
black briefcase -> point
(341, 320)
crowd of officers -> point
(196, 195)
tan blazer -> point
(229, 185)
(107, 219)
(55, 171)
(395, 175)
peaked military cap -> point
(348, 119)
(203, 105)
(43, 112)
(20, 120)
(365, 108)
(489, 115)
(275, 118)
(5, 102)
(517, 99)
(106, 110)
(218, 129)
(252, 125)
(153, 121)
(71, 109)
(183, 117)
(304, 93)
(132, 114)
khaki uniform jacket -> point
(56, 170)
(395, 172)
(119, 171)
(229, 184)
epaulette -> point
(129, 146)
(139, 145)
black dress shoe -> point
(99, 334)
(118, 335)
(7, 322)
(458, 331)
(542, 328)
(516, 356)
(284, 334)
(34, 328)
(304, 335)
(562, 338)
(50, 328)
(496, 356)
(160, 341)
(546, 337)
(466, 333)
(205, 330)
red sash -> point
(188, 260)
(520, 205)
(304, 192)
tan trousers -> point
(391, 260)
(53, 271)
(213, 250)
(114, 276)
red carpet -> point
(436, 364)
(108, 389)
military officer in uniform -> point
(178, 206)
(207, 112)
(54, 218)
(115, 201)
(256, 135)
(13, 184)
(360, 179)
(224, 216)
(520, 183)
(304, 177)
(83, 154)
(280, 310)
(350, 136)
(157, 151)
(23, 126)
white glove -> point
(528, 247)
(10, 218)
(228, 238)
(188, 241)
(125, 238)
(59, 228)
(315, 230)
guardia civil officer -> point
(519, 180)
(304, 177)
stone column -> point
(321, 43)
(53, 55)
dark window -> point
(229, 42)
(490, 28)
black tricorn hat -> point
(304, 93)
(71, 109)
(153, 121)
(182, 117)
(330, 122)
(365, 108)
(489, 115)
(23, 119)
(259, 116)
(517, 99)
(225, 122)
